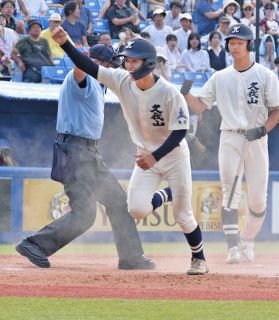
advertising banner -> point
(44, 201)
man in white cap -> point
(183, 32)
(54, 21)
(158, 31)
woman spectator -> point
(267, 52)
(269, 25)
(173, 53)
(194, 58)
(8, 9)
(230, 8)
(248, 17)
(125, 35)
(217, 54)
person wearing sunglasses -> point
(269, 25)
(248, 16)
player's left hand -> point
(255, 133)
(145, 161)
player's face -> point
(238, 48)
(132, 65)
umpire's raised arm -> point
(83, 62)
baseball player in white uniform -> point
(242, 91)
(157, 118)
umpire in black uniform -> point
(79, 166)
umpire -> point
(79, 166)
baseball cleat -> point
(247, 250)
(138, 263)
(233, 256)
(33, 252)
(198, 266)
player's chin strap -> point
(147, 66)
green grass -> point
(150, 248)
(114, 309)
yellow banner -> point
(45, 201)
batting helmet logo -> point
(129, 45)
(235, 29)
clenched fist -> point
(59, 35)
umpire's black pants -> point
(80, 167)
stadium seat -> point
(17, 73)
(50, 11)
(93, 4)
(100, 25)
(53, 74)
(68, 63)
(95, 14)
(177, 76)
(199, 78)
(59, 62)
(44, 22)
(143, 24)
(208, 74)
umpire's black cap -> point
(104, 53)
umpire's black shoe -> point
(138, 263)
(33, 252)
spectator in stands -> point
(54, 21)
(173, 54)
(120, 16)
(194, 58)
(249, 18)
(145, 35)
(32, 52)
(109, 3)
(269, 25)
(105, 38)
(76, 30)
(207, 16)
(125, 35)
(8, 37)
(5, 154)
(158, 31)
(85, 16)
(8, 9)
(36, 8)
(267, 51)
(263, 3)
(217, 54)
(162, 68)
(173, 15)
(224, 25)
(183, 32)
(276, 69)
(230, 8)
(155, 5)
(5, 66)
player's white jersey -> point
(152, 114)
(255, 86)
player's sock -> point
(195, 242)
(161, 197)
(230, 226)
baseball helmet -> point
(139, 48)
(240, 31)
(104, 53)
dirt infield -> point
(96, 276)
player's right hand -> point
(59, 35)
(186, 86)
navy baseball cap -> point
(32, 22)
(104, 53)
